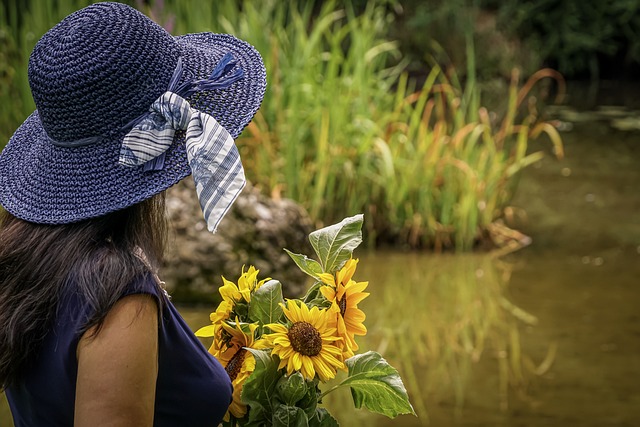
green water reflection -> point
(448, 325)
(470, 357)
(5, 414)
(439, 320)
(445, 322)
(435, 318)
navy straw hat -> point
(91, 76)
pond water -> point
(546, 336)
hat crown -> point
(98, 69)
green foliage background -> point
(343, 129)
(578, 38)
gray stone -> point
(254, 232)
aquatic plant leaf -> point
(335, 244)
(376, 385)
(291, 388)
(265, 303)
(259, 387)
(285, 416)
(307, 265)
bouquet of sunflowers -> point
(278, 353)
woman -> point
(88, 336)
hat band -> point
(211, 152)
(220, 78)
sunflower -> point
(307, 344)
(232, 295)
(344, 293)
(237, 361)
(247, 283)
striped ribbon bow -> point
(211, 152)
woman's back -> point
(191, 389)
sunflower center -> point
(342, 303)
(234, 365)
(305, 339)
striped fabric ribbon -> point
(211, 152)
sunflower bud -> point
(291, 388)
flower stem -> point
(329, 391)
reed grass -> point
(342, 129)
(22, 23)
(21, 26)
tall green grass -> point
(454, 166)
(21, 26)
(342, 129)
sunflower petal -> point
(327, 278)
(354, 286)
(354, 315)
(328, 292)
(206, 331)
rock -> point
(254, 232)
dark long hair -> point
(100, 256)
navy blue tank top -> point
(192, 388)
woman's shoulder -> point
(79, 304)
(146, 283)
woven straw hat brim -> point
(43, 183)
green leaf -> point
(291, 388)
(310, 400)
(313, 292)
(286, 416)
(265, 303)
(376, 385)
(259, 387)
(241, 309)
(323, 418)
(306, 264)
(335, 244)
(320, 302)
(258, 417)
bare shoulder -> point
(118, 366)
(132, 309)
